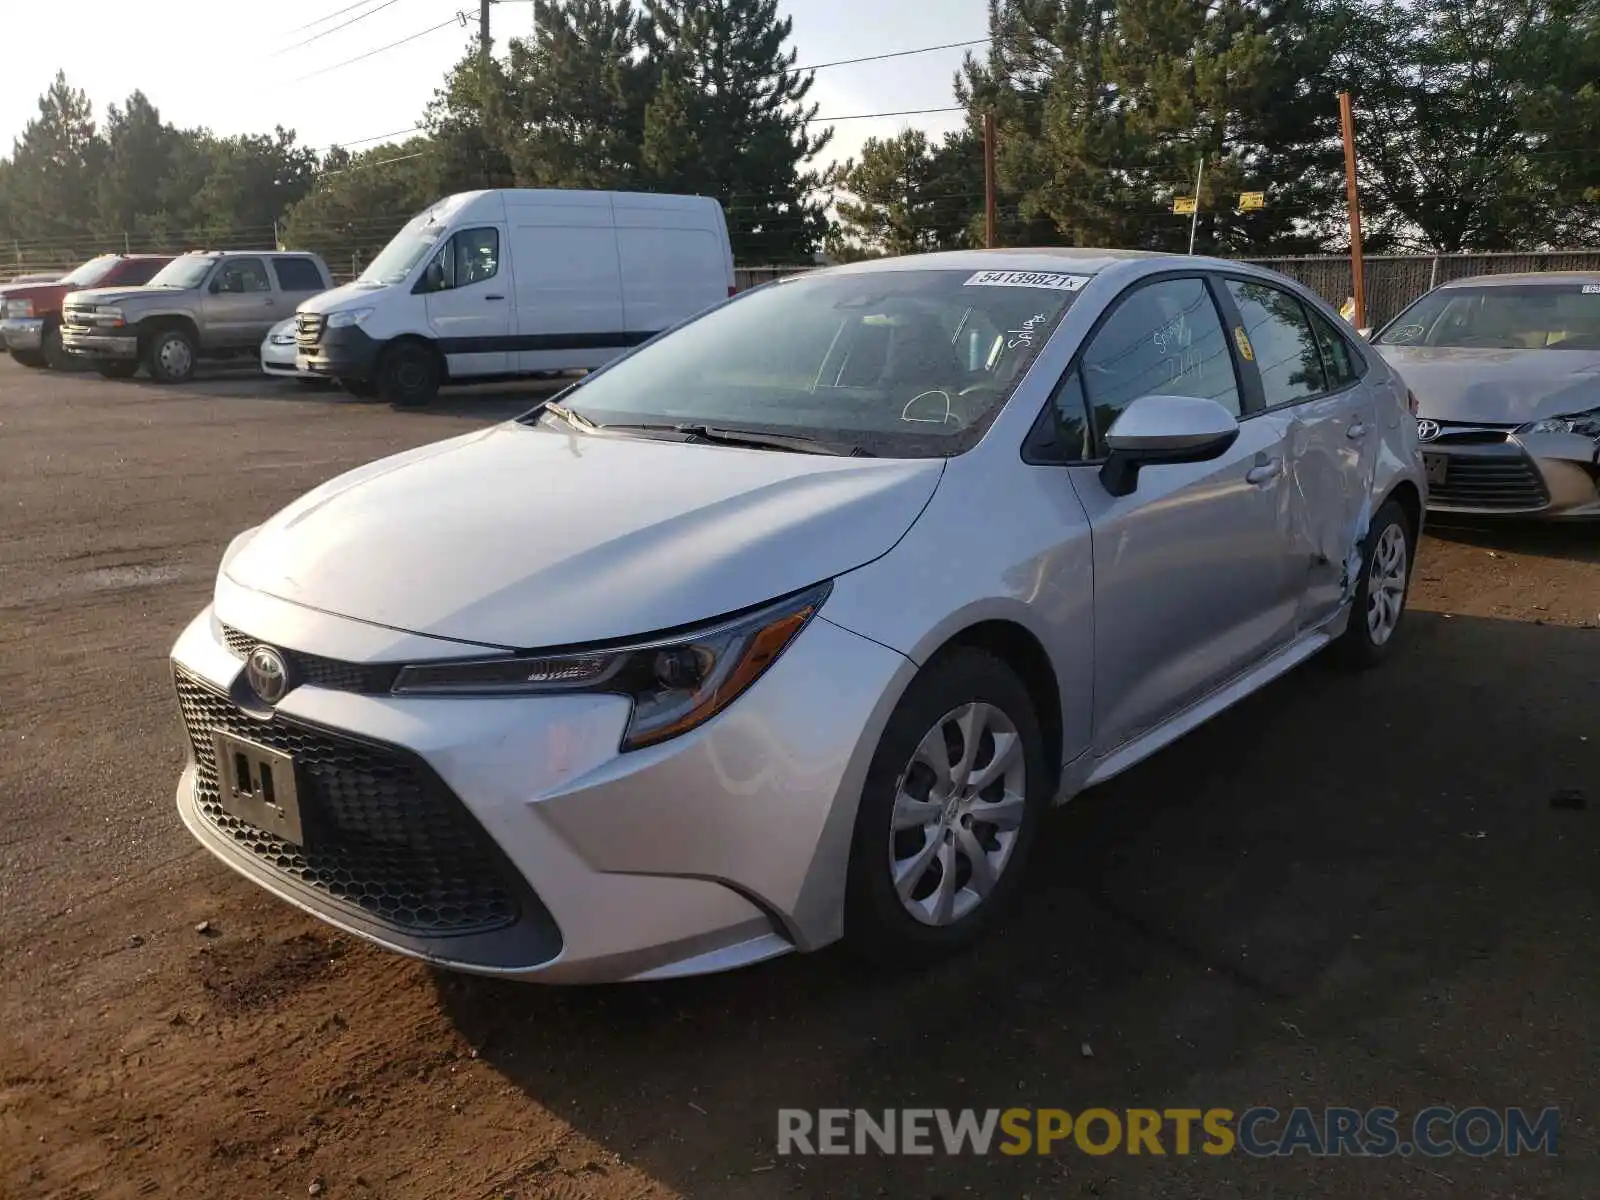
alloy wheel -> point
(958, 807)
(1386, 584)
(176, 357)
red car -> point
(30, 314)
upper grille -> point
(1502, 483)
(308, 328)
(384, 835)
(318, 671)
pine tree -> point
(472, 119)
(54, 165)
(910, 195)
(581, 92)
(729, 119)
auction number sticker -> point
(1591, 289)
(1034, 279)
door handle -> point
(494, 297)
(1265, 472)
(1357, 430)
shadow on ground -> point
(1575, 540)
(1268, 912)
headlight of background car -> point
(1585, 424)
(675, 684)
(109, 314)
(350, 316)
(18, 308)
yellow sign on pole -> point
(1183, 205)
(1250, 200)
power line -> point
(381, 49)
(342, 25)
(329, 17)
(846, 62)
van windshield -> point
(188, 271)
(912, 364)
(405, 250)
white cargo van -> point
(516, 281)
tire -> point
(1387, 555)
(55, 354)
(879, 926)
(170, 355)
(117, 368)
(409, 375)
(29, 358)
(364, 389)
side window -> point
(139, 272)
(1281, 342)
(1163, 339)
(1069, 412)
(477, 255)
(1338, 360)
(297, 275)
(243, 275)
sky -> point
(227, 64)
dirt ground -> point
(1354, 890)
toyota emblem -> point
(268, 673)
(1427, 430)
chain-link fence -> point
(1395, 280)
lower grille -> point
(384, 835)
(370, 678)
(1509, 483)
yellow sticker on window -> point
(1242, 340)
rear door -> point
(241, 304)
(1191, 571)
(1310, 374)
(299, 279)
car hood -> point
(1497, 387)
(528, 537)
(346, 295)
(120, 295)
(49, 293)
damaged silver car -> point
(1506, 371)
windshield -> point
(900, 363)
(1542, 316)
(92, 272)
(189, 271)
(405, 250)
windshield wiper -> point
(798, 443)
(576, 420)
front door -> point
(1191, 571)
(1308, 374)
(240, 304)
(469, 302)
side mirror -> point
(1157, 430)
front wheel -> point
(409, 375)
(170, 356)
(55, 354)
(948, 813)
(1380, 599)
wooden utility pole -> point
(483, 29)
(991, 235)
(1358, 280)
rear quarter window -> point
(298, 275)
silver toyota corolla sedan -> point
(785, 627)
(1506, 370)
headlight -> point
(19, 308)
(349, 316)
(283, 339)
(675, 683)
(109, 314)
(1585, 424)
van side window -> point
(470, 256)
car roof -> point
(1524, 278)
(1073, 259)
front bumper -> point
(343, 353)
(1524, 475)
(279, 361)
(22, 333)
(722, 847)
(99, 345)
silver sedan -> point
(1506, 370)
(787, 626)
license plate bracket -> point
(1437, 468)
(259, 785)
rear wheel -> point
(117, 368)
(170, 356)
(948, 813)
(409, 375)
(1380, 599)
